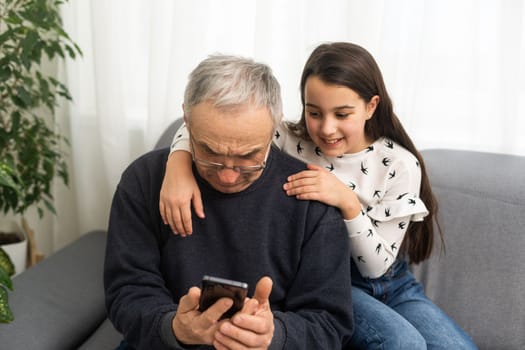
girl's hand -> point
(179, 190)
(318, 184)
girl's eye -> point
(313, 114)
(342, 115)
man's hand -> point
(252, 327)
(191, 326)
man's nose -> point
(228, 176)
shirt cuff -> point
(180, 145)
(357, 225)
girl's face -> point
(335, 117)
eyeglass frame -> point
(241, 169)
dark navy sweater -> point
(301, 245)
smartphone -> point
(214, 288)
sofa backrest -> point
(479, 280)
(167, 136)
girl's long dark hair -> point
(350, 65)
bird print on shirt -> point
(374, 175)
(299, 148)
(401, 195)
(364, 169)
(367, 169)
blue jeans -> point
(392, 312)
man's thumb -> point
(263, 289)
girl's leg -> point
(439, 330)
(378, 326)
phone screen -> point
(214, 288)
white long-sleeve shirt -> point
(385, 177)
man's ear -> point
(372, 105)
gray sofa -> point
(479, 281)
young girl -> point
(360, 160)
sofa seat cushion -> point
(59, 302)
(106, 337)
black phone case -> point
(214, 288)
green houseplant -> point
(31, 146)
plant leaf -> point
(5, 280)
(6, 267)
(6, 315)
(30, 142)
(6, 177)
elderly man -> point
(293, 254)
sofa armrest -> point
(59, 302)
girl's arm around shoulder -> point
(179, 188)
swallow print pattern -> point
(386, 178)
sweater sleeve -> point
(377, 234)
(137, 298)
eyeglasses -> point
(241, 169)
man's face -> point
(238, 139)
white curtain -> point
(455, 70)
